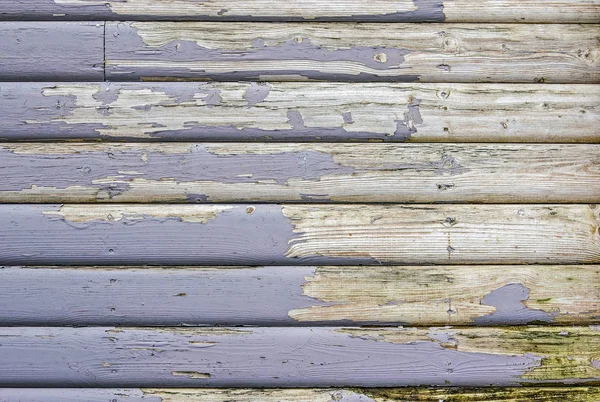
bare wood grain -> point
(288, 296)
(238, 172)
(449, 394)
(353, 52)
(320, 234)
(60, 51)
(563, 11)
(298, 357)
(301, 112)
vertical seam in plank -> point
(104, 52)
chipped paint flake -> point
(116, 213)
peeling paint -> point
(256, 93)
(510, 309)
(116, 213)
(398, 11)
(191, 374)
(173, 111)
(200, 56)
(104, 169)
(287, 357)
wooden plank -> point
(354, 295)
(320, 234)
(42, 51)
(301, 112)
(298, 357)
(563, 11)
(238, 172)
(437, 394)
(352, 52)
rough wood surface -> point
(210, 172)
(324, 295)
(270, 234)
(301, 112)
(298, 357)
(437, 394)
(564, 11)
(353, 52)
(60, 51)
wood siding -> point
(531, 11)
(277, 111)
(270, 234)
(209, 172)
(271, 357)
(358, 52)
(62, 51)
(299, 201)
(449, 394)
(301, 295)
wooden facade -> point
(301, 201)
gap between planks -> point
(437, 394)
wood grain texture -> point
(564, 11)
(209, 172)
(300, 112)
(523, 394)
(320, 234)
(60, 51)
(330, 295)
(298, 357)
(353, 52)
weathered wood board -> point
(301, 112)
(242, 172)
(353, 52)
(565, 11)
(271, 234)
(55, 51)
(434, 394)
(298, 357)
(324, 295)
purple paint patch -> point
(256, 93)
(149, 297)
(510, 310)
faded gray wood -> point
(435, 394)
(297, 357)
(238, 172)
(268, 296)
(301, 112)
(564, 11)
(43, 51)
(526, 53)
(220, 234)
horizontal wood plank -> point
(564, 11)
(437, 394)
(60, 51)
(291, 111)
(298, 357)
(324, 295)
(353, 52)
(270, 234)
(210, 172)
